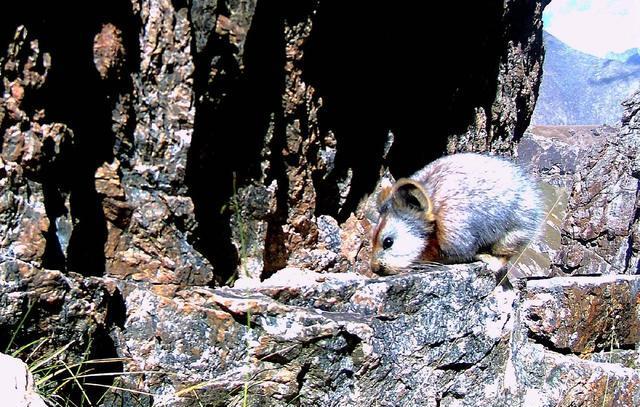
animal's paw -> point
(493, 263)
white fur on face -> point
(407, 246)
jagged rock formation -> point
(216, 141)
(599, 169)
(152, 149)
(581, 89)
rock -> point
(30, 152)
(519, 74)
(67, 308)
(162, 134)
(108, 52)
(24, 221)
(555, 153)
(445, 336)
(45, 312)
(630, 116)
(149, 217)
(537, 257)
(17, 386)
(598, 169)
(251, 208)
(599, 232)
(356, 243)
(547, 379)
(583, 315)
(548, 367)
(288, 340)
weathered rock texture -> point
(29, 151)
(448, 337)
(581, 338)
(555, 153)
(599, 169)
(392, 341)
(203, 139)
(498, 123)
(35, 224)
(154, 149)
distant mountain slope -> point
(631, 56)
(578, 88)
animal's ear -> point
(410, 195)
(385, 192)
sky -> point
(595, 26)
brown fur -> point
(431, 252)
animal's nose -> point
(376, 267)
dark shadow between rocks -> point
(233, 113)
(75, 95)
(379, 69)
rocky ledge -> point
(450, 336)
(446, 337)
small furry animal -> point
(459, 208)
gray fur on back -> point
(477, 200)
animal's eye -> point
(387, 242)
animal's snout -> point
(377, 267)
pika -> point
(457, 209)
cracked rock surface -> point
(598, 169)
(344, 340)
(444, 337)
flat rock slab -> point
(345, 340)
(445, 337)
